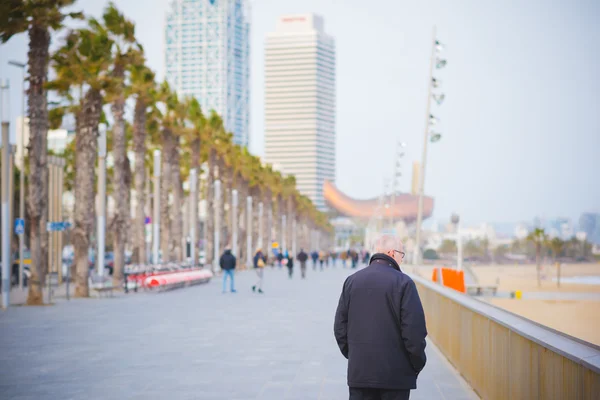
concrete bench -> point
(101, 284)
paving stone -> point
(193, 343)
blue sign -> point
(57, 226)
(148, 221)
(19, 226)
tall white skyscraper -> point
(300, 103)
(208, 56)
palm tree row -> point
(101, 67)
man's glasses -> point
(401, 252)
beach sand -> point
(579, 318)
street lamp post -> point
(156, 216)
(248, 231)
(5, 218)
(234, 222)
(428, 136)
(194, 213)
(21, 168)
(101, 228)
(397, 175)
(217, 232)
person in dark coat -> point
(280, 258)
(380, 327)
(315, 256)
(227, 263)
(302, 257)
(290, 263)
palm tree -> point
(84, 62)
(38, 18)
(538, 238)
(143, 88)
(121, 31)
(170, 101)
(213, 126)
(556, 246)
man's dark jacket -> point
(227, 260)
(380, 327)
(302, 257)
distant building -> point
(560, 227)
(58, 139)
(207, 55)
(300, 103)
(590, 224)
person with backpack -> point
(259, 266)
(228, 263)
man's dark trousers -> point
(378, 394)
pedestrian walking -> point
(280, 258)
(333, 257)
(380, 327)
(315, 256)
(321, 259)
(228, 264)
(344, 257)
(354, 256)
(290, 264)
(302, 257)
(259, 266)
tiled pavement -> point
(193, 343)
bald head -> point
(390, 245)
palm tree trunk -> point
(139, 148)
(243, 194)
(165, 187)
(538, 251)
(119, 184)
(209, 222)
(39, 41)
(176, 210)
(86, 144)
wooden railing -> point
(504, 356)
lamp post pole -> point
(194, 213)
(102, 202)
(417, 249)
(248, 231)
(234, 222)
(156, 216)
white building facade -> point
(300, 101)
(58, 139)
(207, 56)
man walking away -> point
(259, 266)
(302, 257)
(227, 263)
(321, 259)
(315, 256)
(290, 264)
(380, 327)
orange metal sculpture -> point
(405, 205)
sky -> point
(520, 123)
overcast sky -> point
(520, 123)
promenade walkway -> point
(193, 343)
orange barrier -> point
(451, 278)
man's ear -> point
(390, 253)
